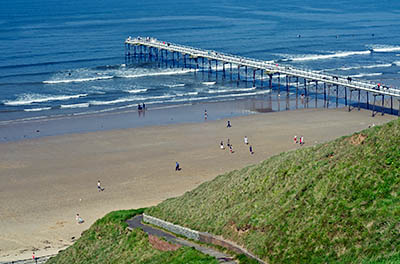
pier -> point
(306, 82)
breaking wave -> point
(28, 99)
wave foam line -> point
(366, 74)
(231, 90)
(155, 74)
(37, 109)
(83, 105)
(330, 56)
(29, 99)
(386, 49)
(175, 85)
(129, 99)
(364, 67)
(136, 91)
(78, 80)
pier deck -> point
(270, 68)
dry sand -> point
(46, 181)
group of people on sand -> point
(299, 140)
(229, 145)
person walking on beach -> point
(246, 140)
(230, 148)
(228, 144)
(79, 219)
(177, 167)
(302, 140)
(222, 145)
(295, 139)
(205, 114)
(99, 186)
(251, 150)
(229, 124)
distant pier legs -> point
(254, 77)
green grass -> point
(337, 202)
(109, 241)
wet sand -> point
(46, 181)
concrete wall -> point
(199, 236)
(183, 231)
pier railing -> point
(269, 67)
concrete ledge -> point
(199, 236)
(180, 230)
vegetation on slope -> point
(335, 202)
(109, 241)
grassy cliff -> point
(109, 241)
(335, 202)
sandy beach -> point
(46, 181)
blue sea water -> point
(67, 57)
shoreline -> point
(48, 180)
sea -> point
(67, 58)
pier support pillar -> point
(262, 78)
(398, 113)
(238, 72)
(279, 83)
(325, 94)
(287, 84)
(223, 70)
(383, 104)
(351, 93)
(316, 94)
(391, 105)
(359, 99)
(270, 81)
(245, 70)
(230, 66)
(373, 106)
(367, 100)
(337, 96)
(209, 66)
(305, 93)
(254, 77)
(345, 95)
(216, 69)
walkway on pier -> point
(268, 67)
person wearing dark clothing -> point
(229, 124)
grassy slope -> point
(108, 241)
(335, 202)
